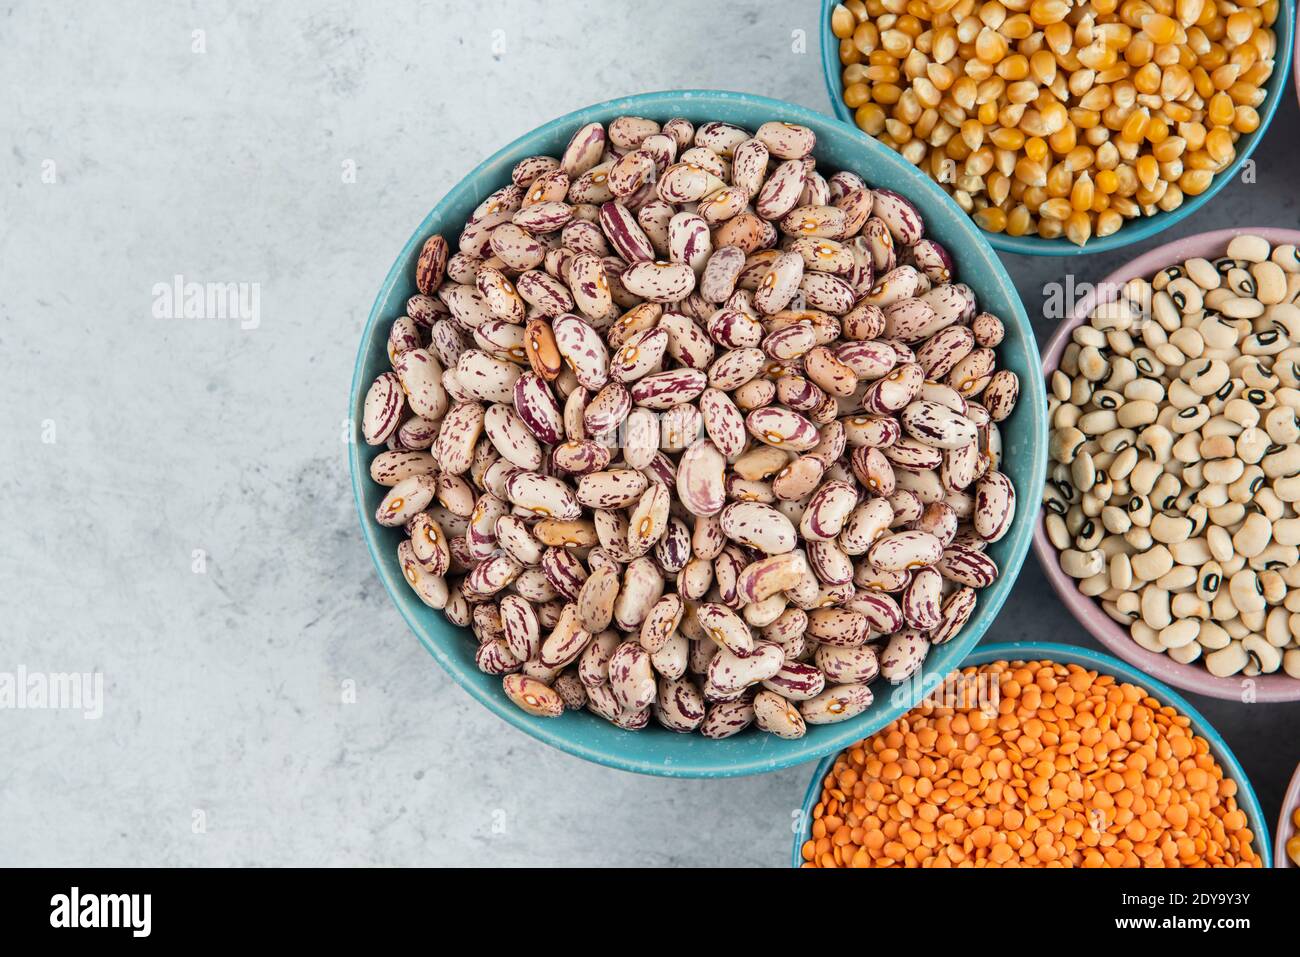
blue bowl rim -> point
(1134, 231)
(830, 739)
(1106, 664)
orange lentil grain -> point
(1071, 769)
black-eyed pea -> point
(1246, 591)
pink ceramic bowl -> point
(1192, 677)
(1285, 829)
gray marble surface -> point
(175, 504)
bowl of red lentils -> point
(1036, 755)
(1286, 853)
(1063, 127)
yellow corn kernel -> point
(1148, 170)
(1225, 76)
(910, 25)
(909, 108)
(940, 75)
(1044, 12)
(1019, 221)
(1043, 67)
(1059, 36)
(1055, 116)
(1080, 158)
(1139, 51)
(896, 43)
(1172, 199)
(842, 22)
(1085, 119)
(1202, 83)
(1135, 127)
(1258, 74)
(1126, 206)
(1014, 67)
(1107, 156)
(1120, 71)
(1147, 79)
(1107, 181)
(1108, 222)
(1159, 28)
(990, 46)
(1219, 146)
(866, 38)
(1169, 149)
(963, 93)
(1201, 160)
(1056, 208)
(1059, 180)
(1246, 120)
(925, 94)
(1063, 141)
(979, 162)
(1096, 99)
(1178, 113)
(1240, 26)
(1017, 27)
(1036, 149)
(1007, 139)
(1051, 228)
(991, 219)
(1030, 173)
(926, 124)
(1078, 228)
(870, 118)
(988, 113)
(881, 73)
(944, 44)
(973, 131)
(1097, 56)
(1031, 196)
(998, 186)
(849, 53)
(1011, 115)
(1081, 193)
(886, 93)
(856, 94)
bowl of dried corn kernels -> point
(1036, 755)
(1287, 851)
(1062, 126)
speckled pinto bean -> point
(690, 431)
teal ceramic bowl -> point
(1095, 661)
(1134, 231)
(655, 750)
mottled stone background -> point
(194, 444)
